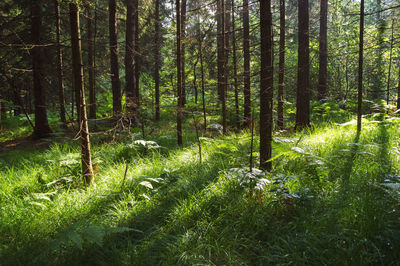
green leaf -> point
(94, 234)
(146, 184)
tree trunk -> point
(323, 51)
(42, 128)
(246, 64)
(137, 55)
(235, 80)
(115, 81)
(390, 67)
(281, 82)
(183, 36)
(222, 59)
(130, 62)
(77, 67)
(92, 95)
(179, 74)
(157, 58)
(360, 66)
(195, 81)
(266, 85)
(203, 93)
(303, 71)
(61, 96)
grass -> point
(330, 199)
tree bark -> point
(115, 81)
(202, 73)
(92, 95)
(157, 58)
(222, 59)
(130, 62)
(235, 79)
(137, 53)
(323, 51)
(42, 128)
(61, 95)
(77, 67)
(183, 37)
(179, 74)
(281, 82)
(246, 64)
(266, 85)
(390, 67)
(360, 67)
(303, 71)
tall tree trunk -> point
(77, 67)
(323, 51)
(137, 54)
(235, 79)
(266, 85)
(390, 67)
(157, 58)
(115, 81)
(377, 82)
(183, 37)
(246, 64)
(227, 37)
(179, 74)
(130, 62)
(42, 128)
(61, 96)
(195, 81)
(92, 95)
(360, 67)
(203, 93)
(281, 82)
(303, 71)
(222, 59)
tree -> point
(281, 82)
(130, 62)
(179, 73)
(77, 68)
(221, 43)
(323, 51)
(42, 128)
(360, 67)
(303, 69)
(246, 64)
(115, 81)
(183, 37)
(266, 85)
(157, 58)
(91, 44)
(234, 62)
(61, 96)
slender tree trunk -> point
(115, 81)
(137, 53)
(323, 51)
(203, 93)
(195, 81)
(246, 64)
(390, 68)
(303, 71)
(179, 74)
(266, 85)
(222, 59)
(77, 66)
(227, 37)
(360, 67)
(42, 128)
(61, 96)
(235, 74)
(92, 98)
(398, 90)
(157, 58)
(281, 82)
(130, 62)
(183, 37)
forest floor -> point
(332, 198)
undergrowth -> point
(332, 198)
